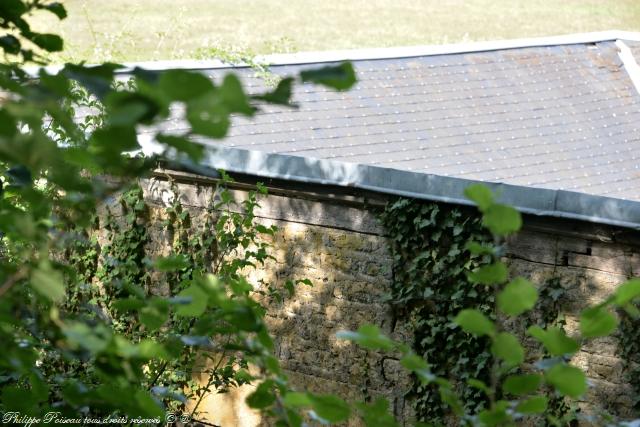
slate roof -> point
(562, 116)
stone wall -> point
(337, 243)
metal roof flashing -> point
(529, 200)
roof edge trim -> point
(535, 201)
(630, 63)
(373, 53)
(393, 52)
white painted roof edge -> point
(372, 53)
(630, 63)
(393, 52)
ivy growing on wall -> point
(430, 287)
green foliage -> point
(433, 265)
(90, 323)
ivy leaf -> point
(597, 322)
(502, 220)
(507, 347)
(198, 303)
(329, 408)
(481, 195)
(339, 77)
(489, 274)
(520, 385)
(534, 405)
(474, 322)
(567, 379)
(48, 282)
(368, 336)
(627, 292)
(517, 297)
(554, 340)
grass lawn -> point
(136, 30)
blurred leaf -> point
(49, 42)
(507, 347)
(192, 149)
(517, 297)
(296, 400)
(597, 322)
(555, 340)
(10, 44)
(263, 396)
(377, 414)
(567, 379)
(340, 77)
(181, 85)
(172, 262)
(627, 292)
(474, 322)
(481, 195)
(233, 96)
(198, 303)
(55, 8)
(368, 336)
(48, 282)
(502, 220)
(329, 408)
(489, 274)
(520, 385)
(534, 405)
(281, 95)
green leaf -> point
(49, 42)
(627, 292)
(489, 274)
(368, 336)
(534, 405)
(153, 317)
(567, 379)
(281, 95)
(474, 322)
(198, 303)
(55, 8)
(340, 77)
(263, 396)
(555, 340)
(496, 415)
(517, 297)
(520, 385)
(181, 85)
(597, 322)
(329, 407)
(233, 96)
(10, 44)
(296, 400)
(502, 220)
(192, 149)
(81, 335)
(507, 347)
(478, 249)
(48, 282)
(377, 414)
(172, 263)
(481, 195)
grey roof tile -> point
(555, 117)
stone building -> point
(551, 125)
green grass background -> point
(136, 30)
